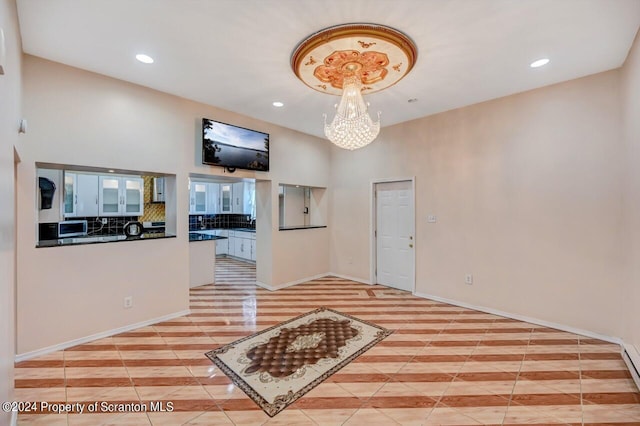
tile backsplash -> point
(153, 212)
(114, 225)
(225, 221)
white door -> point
(394, 235)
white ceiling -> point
(234, 54)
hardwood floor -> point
(442, 365)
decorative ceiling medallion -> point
(324, 59)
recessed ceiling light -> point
(277, 104)
(412, 100)
(111, 170)
(539, 63)
(145, 59)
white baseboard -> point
(631, 357)
(350, 278)
(39, 352)
(518, 317)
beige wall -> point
(77, 117)
(10, 114)
(630, 89)
(527, 191)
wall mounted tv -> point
(234, 147)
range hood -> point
(158, 190)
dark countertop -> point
(290, 228)
(196, 236)
(98, 239)
(225, 229)
(244, 229)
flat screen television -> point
(234, 147)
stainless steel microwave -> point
(72, 228)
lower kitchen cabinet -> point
(253, 249)
(222, 246)
(242, 245)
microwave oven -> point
(72, 228)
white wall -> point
(294, 206)
(527, 190)
(10, 114)
(630, 89)
(80, 118)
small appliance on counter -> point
(72, 228)
(133, 229)
(154, 227)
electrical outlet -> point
(468, 279)
(128, 302)
(104, 220)
(432, 218)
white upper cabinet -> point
(70, 195)
(226, 198)
(204, 198)
(213, 195)
(80, 195)
(215, 198)
(244, 198)
(238, 197)
(121, 196)
(198, 198)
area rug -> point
(278, 365)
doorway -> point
(394, 230)
(16, 161)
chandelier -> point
(351, 60)
(352, 127)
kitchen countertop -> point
(97, 239)
(244, 229)
(199, 236)
(224, 229)
(291, 228)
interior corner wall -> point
(77, 291)
(527, 192)
(630, 90)
(10, 114)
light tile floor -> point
(443, 365)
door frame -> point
(373, 217)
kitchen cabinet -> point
(222, 246)
(204, 198)
(242, 244)
(198, 198)
(244, 198)
(226, 201)
(213, 198)
(121, 196)
(80, 195)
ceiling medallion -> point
(350, 60)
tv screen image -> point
(231, 146)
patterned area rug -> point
(280, 364)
